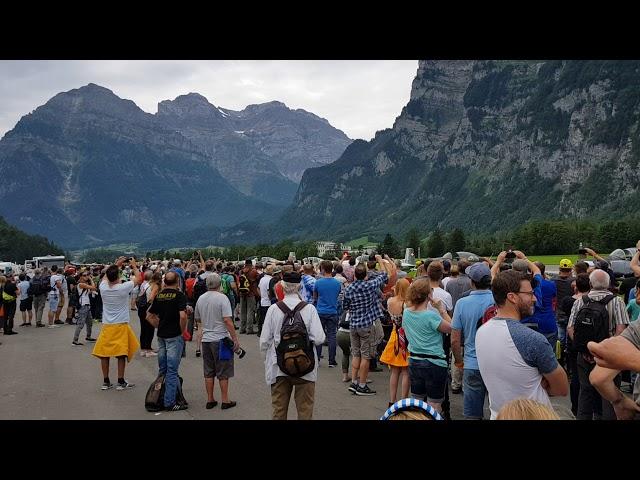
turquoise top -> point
(421, 329)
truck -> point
(46, 261)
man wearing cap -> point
(467, 317)
(177, 267)
(281, 384)
(248, 289)
(265, 302)
(563, 290)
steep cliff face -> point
(484, 145)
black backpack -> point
(295, 352)
(154, 400)
(591, 323)
(39, 286)
(563, 289)
(141, 300)
(199, 288)
(244, 284)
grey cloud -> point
(357, 96)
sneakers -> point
(364, 390)
(39, 325)
(125, 386)
(332, 365)
(353, 387)
(74, 343)
(177, 407)
(52, 326)
(198, 353)
(10, 332)
(59, 322)
(89, 339)
(106, 386)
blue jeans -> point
(169, 356)
(427, 380)
(474, 394)
(330, 327)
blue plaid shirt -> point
(362, 299)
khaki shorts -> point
(362, 342)
(213, 366)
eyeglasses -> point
(530, 293)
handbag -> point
(186, 335)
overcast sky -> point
(357, 96)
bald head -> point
(171, 279)
(599, 280)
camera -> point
(510, 256)
(582, 251)
(229, 344)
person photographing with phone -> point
(116, 338)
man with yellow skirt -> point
(116, 339)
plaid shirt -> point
(362, 299)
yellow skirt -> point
(116, 340)
(389, 355)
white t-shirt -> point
(115, 302)
(264, 291)
(83, 296)
(211, 308)
(512, 359)
(442, 295)
(57, 278)
(445, 280)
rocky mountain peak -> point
(192, 105)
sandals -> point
(228, 405)
(210, 405)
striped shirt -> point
(616, 308)
(362, 300)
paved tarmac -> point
(43, 376)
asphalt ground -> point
(43, 376)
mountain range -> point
(482, 145)
(89, 168)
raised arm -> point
(495, 269)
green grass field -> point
(552, 259)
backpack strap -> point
(283, 307)
(585, 298)
(299, 307)
(605, 301)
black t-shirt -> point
(10, 288)
(167, 305)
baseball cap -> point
(177, 261)
(478, 271)
(565, 263)
(291, 277)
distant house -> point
(329, 248)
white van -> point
(49, 261)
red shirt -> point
(279, 291)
